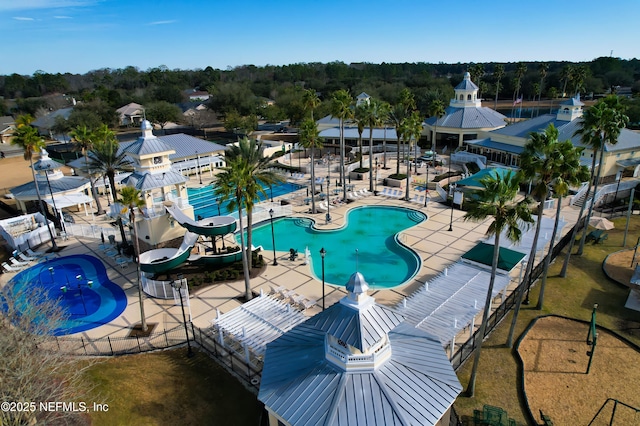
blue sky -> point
(81, 35)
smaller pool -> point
(79, 285)
(205, 203)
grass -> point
(166, 387)
(573, 296)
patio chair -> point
(23, 257)
(35, 253)
(122, 262)
(302, 302)
(10, 269)
(16, 262)
(293, 254)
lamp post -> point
(328, 215)
(271, 191)
(219, 202)
(198, 163)
(377, 172)
(273, 238)
(452, 194)
(323, 252)
(178, 286)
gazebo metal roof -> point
(482, 253)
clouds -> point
(162, 22)
(43, 4)
(23, 18)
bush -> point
(361, 170)
(398, 176)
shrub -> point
(398, 176)
(361, 170)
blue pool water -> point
(84, 307)
(205, 203)
(371, 230)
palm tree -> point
(601, 125)
(107, 159)
(27, 138)
(360, 118)
(411, 130)
(543, 69)
(496, 199)
(341, 103)
(498, 73)
(402, 109)
(571, 174)
(310, 138)
(437, 110)
(385, 112)
(521, 70)
(310, 100)
(83, 136)
(374, 117)
(477, 72)
(580, 74)
(130, 197)
(566, 74)
(24, 120)
(241, 182)
(542, 162)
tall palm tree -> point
(412, 130)
(341, 107)
(437, 110)
(83, 136)
(402, 109)
(360, 119)
(541, 163)
(566, 75)
(601, 125)
(571, 174)
(498, 74)
(580, 74)
(477, 72)
(374, 117)
(106, 159)
(385, 112)
(310, 138)
(543, 69)
(521, 70)
(241, 182)
(27, 138)
(310, 100)
(24, 120)
(496, 199)
(130, 197)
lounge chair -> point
(352, 196)
(16, 262)
(23, 257)
(385, 191)
(8, 268)
(35, 253)
(301, 302)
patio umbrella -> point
(601, 223)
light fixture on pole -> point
(273, 238)
(177, 285)
(377, 173)
(323, 252)
(198, 163)
(271, 191)
(328, 216)
(219, 202)
(452, 197)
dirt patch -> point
(554, 354)
(618, 266)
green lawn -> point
(573, 296)
(167, 388)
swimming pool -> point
(80, 285)
(205, 203)
(367, 243)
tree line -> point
(244, 91)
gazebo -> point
(357, 363)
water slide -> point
(164, 259)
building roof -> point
(400, 377)
(474, 180)
(130, 109)
(189, 146)
(488, 143)
(483, 253)
(352, 133)
(566, 131)
(469, 118)
(148, 143)
(48, 121)
(148, 181)
(64, 184)
(466, 83)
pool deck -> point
(436, 245)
